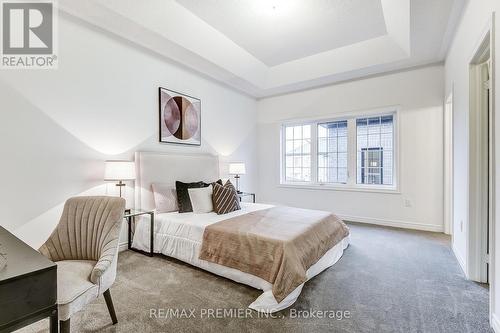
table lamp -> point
(119, 171)
(237, 169)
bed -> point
(181, 236)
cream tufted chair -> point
(84, 246)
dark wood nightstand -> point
(130, 215)
(241, 195)
(28, 286)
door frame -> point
(448, 165)
(475, 231)
(479, 198)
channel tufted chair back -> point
(84, 246)
(88, 230)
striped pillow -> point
(225, 198)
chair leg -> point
(54, 322)
(111, 308)
(64, 326)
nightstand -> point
(130, 215)
(246, 194)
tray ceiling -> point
(269, 47)
(276, 32)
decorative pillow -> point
(201, 199)
(183, 195)
(225, 198)
(165, 198)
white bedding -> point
(180, 236)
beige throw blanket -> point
(277, 244)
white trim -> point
(342, 115)
(122, 246)
(492, 240)
(393, 223)
(341, 187)
(479, 171)
(495, 323)
(460, 259)
(448, 164)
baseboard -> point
(122, 246)
(495, 323)
(460, 260)
(394, 223)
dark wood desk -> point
(28, 286)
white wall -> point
(474, 20)
(419, 95)
(58, 126)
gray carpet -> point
(390, 280)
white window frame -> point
(317, 151)
(284, 155)
(351, 184)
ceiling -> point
(269, 47)
(276, 32)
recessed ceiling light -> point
(273, 8)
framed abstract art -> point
(180, 118)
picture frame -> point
(179, 118)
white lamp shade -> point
(119, 170)
(237, 168)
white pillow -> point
(201, 199)
(165, 198)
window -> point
(298, 153)
(332, 152)
(374, 138)
(351, 152)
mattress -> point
(179, 235)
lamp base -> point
(237, 178)
(120, 185)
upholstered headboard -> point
(168, 168)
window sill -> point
(385, 190)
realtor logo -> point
(28, 30)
